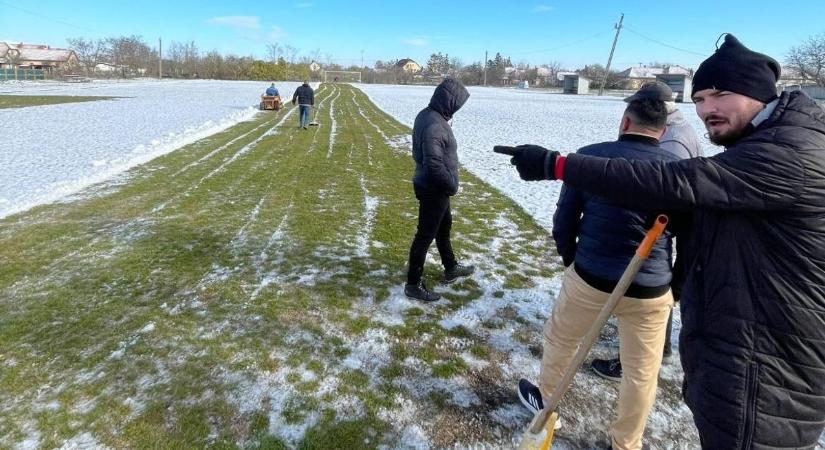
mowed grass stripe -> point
(231, 313)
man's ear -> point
(624, 125)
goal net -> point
(342, 76)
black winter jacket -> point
(753, 304)
(602, 237)
(434, 147)
(304, 94)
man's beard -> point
(726, 139)
(729, 137)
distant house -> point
(109, 68)
(36, 56)
(512, 74)
(314, 66)
(635, 77)
(559, 81)
(408, 65)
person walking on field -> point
(596, 240)
(752, 343)
(435, 152)
(680, 140)
(305, 97)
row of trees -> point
(132, 56)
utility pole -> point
(610, 58)
(160, 59)
(485, 67)
(362, 59)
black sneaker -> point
(420, 292)
(458, 271)
(530, 396)
(609, 369)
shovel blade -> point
(542, 440)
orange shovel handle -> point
(643, 251)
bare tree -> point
(14, 58)
(212, 65)
(275, 52)
(89, 52)
(315, 55)
(130, 53)
(291, 53)
(808, 60)
(190, 59)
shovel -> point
(314, 122)
(540, 433)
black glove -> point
(534, 162)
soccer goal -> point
(342, 76)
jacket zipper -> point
(752, 383)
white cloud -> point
(305, 5)
(415, 41)
(247, 22)
(542, 9)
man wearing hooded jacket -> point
(435, 152)
(753, 303)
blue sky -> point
(572, 33)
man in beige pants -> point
(596, 240)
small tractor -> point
(271, 102)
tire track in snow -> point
(217, 150)
(100, 235)
(243, 151)
(362, 242)
(333, 124)
(361, 112)
(272, 276)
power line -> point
(49, 18)
(560, 46)
(704, 55)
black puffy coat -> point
(601, 236)
(304, 94)
(434, 147)
(753, 304)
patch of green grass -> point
(21, 101)
(344, 435)
(231, 260)
(447, 369)
(298, 407)
(479, 351)
(391, 371)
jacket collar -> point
(630, 137)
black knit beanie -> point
(736, 68)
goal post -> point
(343, 76)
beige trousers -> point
(642, 324)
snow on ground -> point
(509, 116)
(56, 150)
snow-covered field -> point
(511, 116)
(51, 151)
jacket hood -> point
(449, 97)
(675, 118)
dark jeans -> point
(434, 222)
(304, 115)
